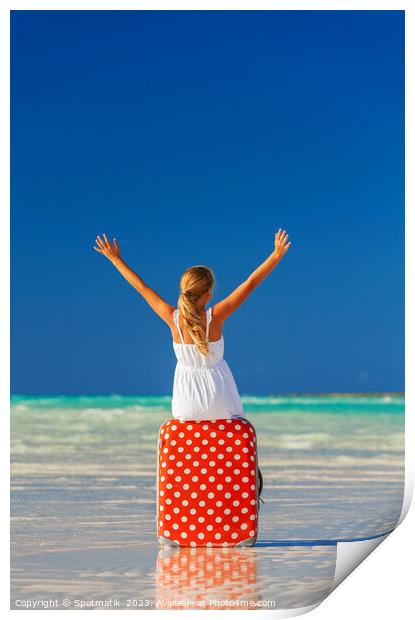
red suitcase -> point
(207, 483)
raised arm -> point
(228, 305)
(157, 303)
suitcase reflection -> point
(206, 578)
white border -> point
(342, 610)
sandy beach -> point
(83, 501)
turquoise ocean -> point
(83, 496)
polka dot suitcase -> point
(207, 483)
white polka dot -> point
(202, 502)
(195, 478)
(245, 495)
(175, 526)
(210, 511)
(197, 434)
(212, 463)
(217, 536)
(230, 434)
(211, 495)
(234, 535)
(177, 494)
(221, 427)
(236, 502)
(226, 527)
(192, 526)
(220, 471)
(193, 495)
(202, 487)
(183, 535)
(244, 526)
(219, 487)
(189, 427)
(166, 533)
(252, 533)
(192, 543)
(236, 487)
(201, 535)
(189, 442)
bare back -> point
(215, 328)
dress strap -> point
(208, 319)
(176, 320)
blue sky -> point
(192, 136)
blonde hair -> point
(195, 282)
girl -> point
(203, 387)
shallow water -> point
(83, 501)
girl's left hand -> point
(104, 247)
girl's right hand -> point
(281, 245)
(104, 247)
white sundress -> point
(203, 386)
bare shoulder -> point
(217, 315)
